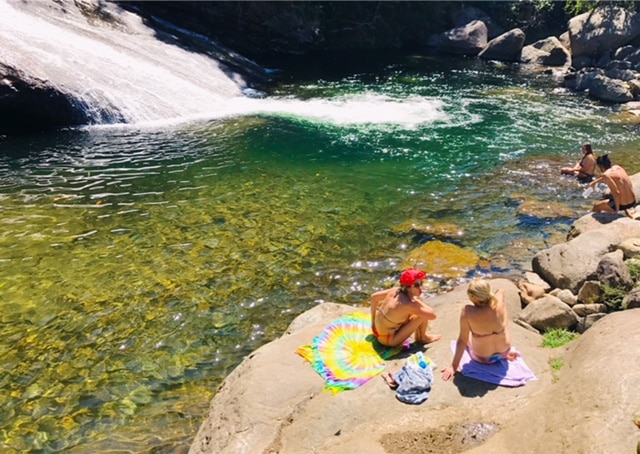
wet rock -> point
(449, 260)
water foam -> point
(123, 74)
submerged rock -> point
(448, 260)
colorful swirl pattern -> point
(346, 354)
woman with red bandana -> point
(398, 312)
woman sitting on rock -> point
(398, 312)
(484, 330)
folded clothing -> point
(414, 382)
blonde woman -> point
(484, 330)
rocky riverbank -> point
(273, 401)
(584, 400)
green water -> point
(138, 266)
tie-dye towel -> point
(346, 354)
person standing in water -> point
(398, 312)
(484, 330)
(585, 169)
(622, 196)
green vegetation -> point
(556, 363)
(633, 266)
(612, 296)
(575, 7)
(558, 337)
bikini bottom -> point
(383, 339)
(496, 357)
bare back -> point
(393, 311)
(489, 333)
(620, 184)
(588, 164)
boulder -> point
(582, 310)
(565, 296)
(546, 52)
(29, 104)
(590, 292)
(630, 248)
(632, 299)
(612, 271)
(506, 47)
(588, 321)
(535, 279)
(568, 265)
(548, 313)
(607, 27)
(468, 39)
(604, 88)
(590, 408)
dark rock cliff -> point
(262, 29)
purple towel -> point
(503, 373)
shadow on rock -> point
(470, 387)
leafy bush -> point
(558, 337)
(575, 7)
(612, 296)
(634, 269)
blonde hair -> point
(482, 290)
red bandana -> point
(410, 276)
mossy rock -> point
(629, 117)
(438, 229)
(544, 210)
(442, 259)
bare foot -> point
(513, 355)
(429, 338)
(388, 378)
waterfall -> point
(111, 63)
(119, 70)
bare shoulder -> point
(467, 311)
(383, 293)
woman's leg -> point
(422, 336)
(413, 326)
(602, 207)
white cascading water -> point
(120, 65)
(120, 69)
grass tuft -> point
(557, 337)
(556, 363)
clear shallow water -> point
(138, 266)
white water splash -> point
(123, 68)
(361, 109)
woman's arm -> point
(595, 182)
(461, 344)
(421, 308)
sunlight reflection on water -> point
(140, 266)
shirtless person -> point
(484, 330)
(398, 312)
(586, 168)
(622, 196)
